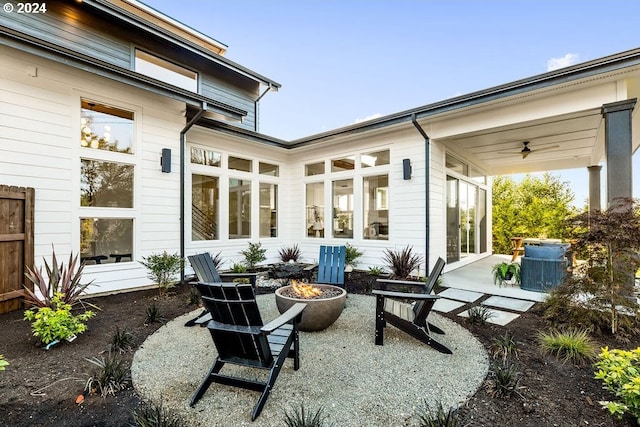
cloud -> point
(371, 117)
(565, 61)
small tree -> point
(163, 269)
(611, 242)
(253, 254)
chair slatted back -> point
(236, 323)
(204, 267)
(420, 309)
(331, 265)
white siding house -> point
(348, 185)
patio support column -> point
(594, 188)
(618, 149)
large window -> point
(107, 171)
(375, 204)
(239, 208)
(205, 199)
(315, 209)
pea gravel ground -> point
(355, 382)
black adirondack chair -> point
(410, 318)
(241, 338)
(205, 270)
(331, 265)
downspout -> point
(427, 181)
(255, 104)
(183, 145)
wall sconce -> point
(165, 160)
(406, 169)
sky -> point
(344, 61)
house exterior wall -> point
(39, 148)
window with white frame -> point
(107, 169)
(166, 71)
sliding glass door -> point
(466, 219)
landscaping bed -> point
(40, 387)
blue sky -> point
(340, 61)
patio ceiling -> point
(562, 142)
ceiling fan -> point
(526, 150)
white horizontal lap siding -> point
(437, 211)
(35, 132)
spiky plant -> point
(60, 279)
(153, 314)
(111, 375)
(121, 340)
(151, 414)
(479, 314)
(301, 418)
(438, 418)
(290, 253)
(503, 381)
(402, 263)
(351, 255)
(504, 346)
(572, 345)
(194, 297)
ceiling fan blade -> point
(551, 147)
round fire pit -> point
(321, 311)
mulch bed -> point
(39, 387)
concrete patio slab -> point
(460, 295)
(498, 317)
(444, 305)
(508, 303)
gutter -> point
(183, 146)
(255, 106)
(427, 185)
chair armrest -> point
(286, 317)
(251, 276)
(406, 295)
(385, 282)
(253, 330)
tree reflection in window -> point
(106, 184)
(106, 128)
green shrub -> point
(572, 345)
(56, 322)
(402, 263)
(503, 381)
(3, 363)
(163, 269)
(238, 268)
(111, 375)
(438, 418)
(479, 314)
(153, 314)
(194, 297)
(351, 255)
(376, 270)
(150, 414)
(253, 255)
(300, 418)
(291, 253)
(619, 370)
(59, 280)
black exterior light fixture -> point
(406, 169)
(165, 160)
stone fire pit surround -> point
(320, 312)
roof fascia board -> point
(124, 15)
(565, 75)
(245, 133)
(95, 66)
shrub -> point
(194, 297)
(504, 346)
(619, 370)
(238, 268)
(351, 255)
(438, 418)
(163, 269)
(479, 314)
(150, 414)
(217, 260)
(59, 280)
(572, 345)
(111, 375)
(121, 341)
(402, 263)
(376, 270)
(56, 322)
(503, 381)
(300, 418)
(291, 253)
(253, 255)
(3, 363)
